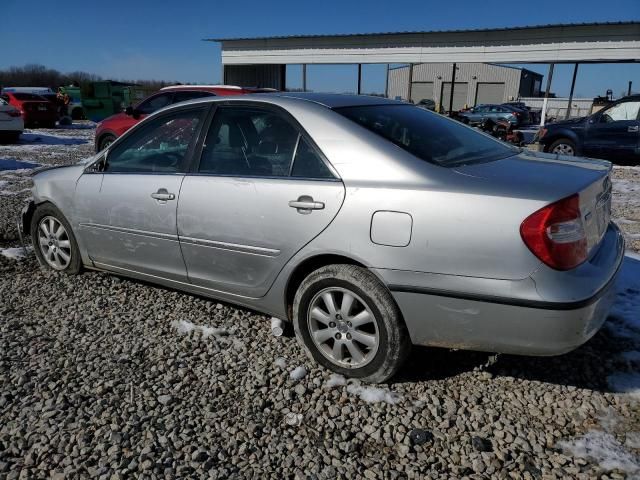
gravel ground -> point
(106, 377)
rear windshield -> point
(427, 135)
(28, 96)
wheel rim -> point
(106, 143)
(563, 149)
(343, 328)
(54, 243)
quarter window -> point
(249, 142)
(159, 147)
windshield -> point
(427, 135)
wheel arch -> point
(568, 134)
(305, 267)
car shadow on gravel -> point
(585, 367)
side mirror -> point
(129, 110)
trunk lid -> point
(549, 178)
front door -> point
(127, 211)
(615, 133)
(261, 192)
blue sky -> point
(144, 39)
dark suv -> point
(611, 134)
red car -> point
(114, 126)
(35, 110)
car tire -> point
(371, 337)
(563, 146)
(105, 142)
(55, 249)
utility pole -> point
(546, 95)
(573, 85)
(453, 84)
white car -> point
(11, 123)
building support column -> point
(386, 82)
(410, 81)
(224, 75)
(359, 79)
(304, 77)
(453, 86)
(543, 114)
(573, 86)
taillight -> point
(541, 133)
(555, 234)
(517, 114)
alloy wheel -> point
(343, 328)
(564, 149)
(54, 243)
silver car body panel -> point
(452, 247)
(217, 215)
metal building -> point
(260, 61)
(475, 83)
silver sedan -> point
(370, 224)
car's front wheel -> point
(349, 323)
(563, 146)
(53, 240)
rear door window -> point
(248, 141)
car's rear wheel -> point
(53, 240)
(563, 146)
(106, 141)
(349, 323)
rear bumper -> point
(516, 324)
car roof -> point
(331, 100)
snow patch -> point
(373, 394)
(622, 382)
(16, 253)
(336, 380)
(633, 440)
(185, 327)
(626, 192)
(604, 449)
(281, 362)
(624, 221)
(624, 320)
(298, 373)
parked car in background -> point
(35, 110)
(534, 115)
(111, 128)
(344, 214)
(427, 103)
(11, 123)
(478, 114)
(612, 133)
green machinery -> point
(102, 99)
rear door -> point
(615, 133)
(260, 191)
(127, 210)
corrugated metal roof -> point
(469, 30)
